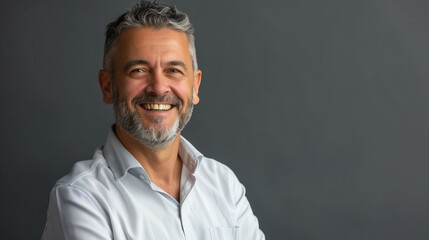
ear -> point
(105, 81)
(197, 81)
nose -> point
(157, 84)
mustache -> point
(150, 98)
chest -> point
(144, 212)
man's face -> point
(154, 85)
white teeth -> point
(155, 106)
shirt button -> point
(141, 177)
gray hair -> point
(148, 14)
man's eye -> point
(173, 70)
(137, 73)
(138, 70)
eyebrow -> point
(135, 62)
(144, 62)
(177, 63)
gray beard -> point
(152, 137)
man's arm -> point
(246, 220)
(73, 214)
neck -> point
(163, 166)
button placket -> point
(186, 224)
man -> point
(148, 182)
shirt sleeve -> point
(246, 221)
(73, 214)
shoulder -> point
(214, 166)
(217, 172)
(208, 168)
(88, 174)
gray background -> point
(320, 108)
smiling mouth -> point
(156, 106)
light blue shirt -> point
(112, 197)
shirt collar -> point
(121, 161)
(117, 157)
(191, 157)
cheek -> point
(184, 92)
(131, 90)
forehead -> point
(152, 41)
